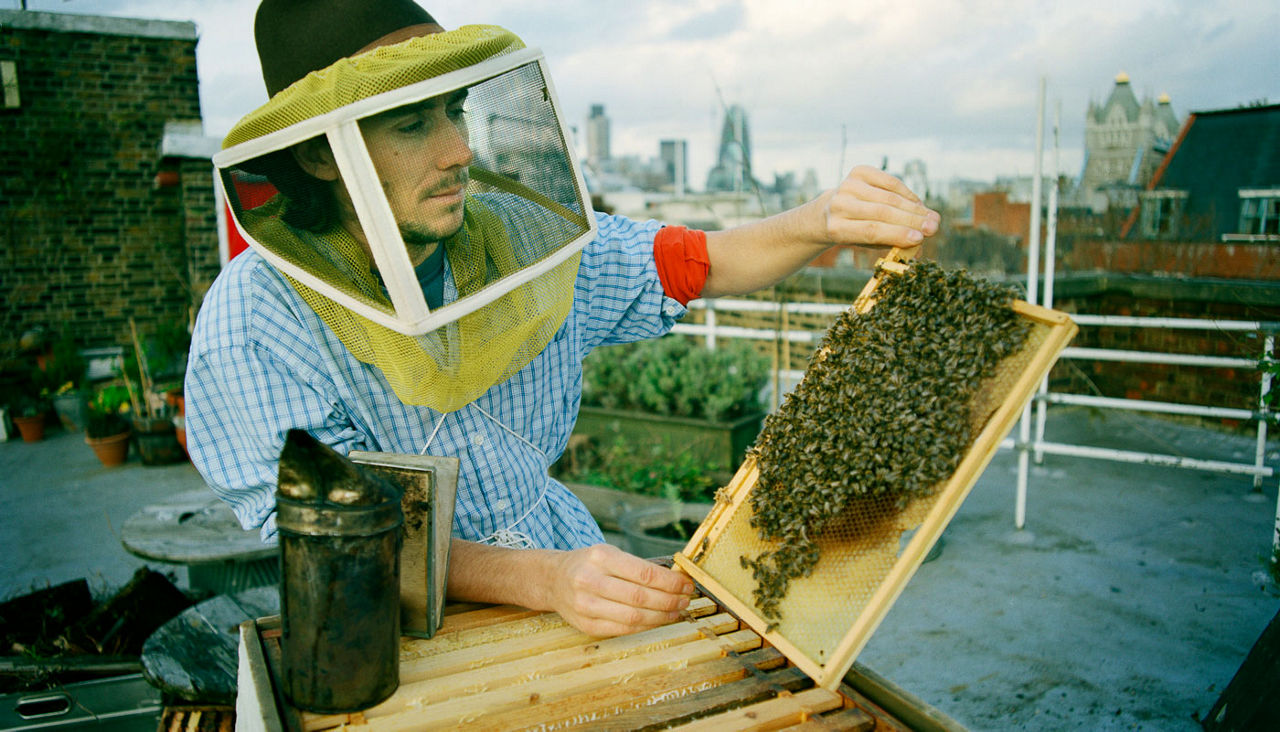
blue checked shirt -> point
(262, 362)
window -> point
(1260, 212)
(1162, 213)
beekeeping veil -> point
(385, 134)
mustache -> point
(459, 181)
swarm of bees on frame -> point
(882, 415)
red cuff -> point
(681, 256)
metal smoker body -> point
(340, 538)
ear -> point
(316, 158)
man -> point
(315, 329)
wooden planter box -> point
(722, 444)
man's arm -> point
(600, 590)
(869, 208)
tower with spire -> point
(733, 162)
(1124, 142)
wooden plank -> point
(515, 647)
(475, 706)
(453, 680)
(637, 704)
(781, 711)
(476, 628)
(848, 720)
(711, 700)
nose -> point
(455, 148)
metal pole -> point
(1268, 346)
(1033, 273)
(1050, 254)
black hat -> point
(296, 37)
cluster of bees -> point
(882, 415)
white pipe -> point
(1181, 359)
(1174, 323)
(761, 306)
(1148, 458)
(734, 331)
(1139, 405)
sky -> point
(827, 84)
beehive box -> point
(507, 668)
(874, 547)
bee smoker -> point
(340, 536)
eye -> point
(411, 127)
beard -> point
(420, 241)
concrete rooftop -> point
(1127, 602)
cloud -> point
(954, 84)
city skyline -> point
(827, 85)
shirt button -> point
(477, 440)
(500, 504)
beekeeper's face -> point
(421, 152)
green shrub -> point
(648, 470)
(675, 377)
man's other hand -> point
(871, 207)
(601, 590)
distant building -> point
(732, 171)
(675, 160)
(916, 175)
(993, 211)
(597, 136)
(1124, 142)
(1219, 182)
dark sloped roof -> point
(1220, 153)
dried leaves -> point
(883, 412)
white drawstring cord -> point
(507, 537)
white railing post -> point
(1033, 278)
(711, 324)
(1268, 346)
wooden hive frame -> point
(927, 516)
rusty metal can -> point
(340, 536)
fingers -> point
(874, 208)
(610, 592)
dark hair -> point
(308, 201)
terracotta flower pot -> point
(32, 428)
(111, 450)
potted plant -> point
(106, 429)
(676, 393)
(153, 426)
(64, 371)
(30, 411)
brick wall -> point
(89, 237)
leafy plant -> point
(647, 470)
(107, 410)
(673, 376)
(64, 370)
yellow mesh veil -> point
(524, 215)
